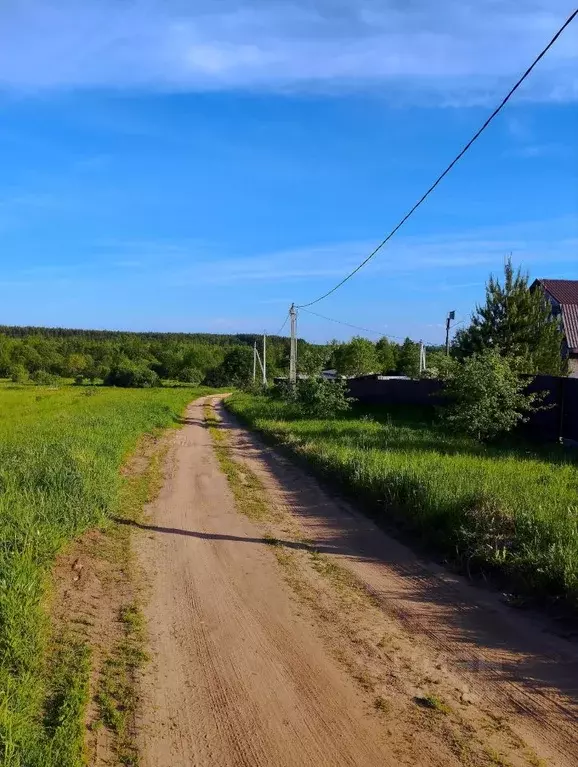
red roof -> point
(570, 320)
(564, 291)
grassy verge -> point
(61, 451)
(117, 697)
(248, 491)
(512, 510)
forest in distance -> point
(43, 355)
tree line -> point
(143, 359)
(514, 322)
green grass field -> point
(60, 455)
(512, 510)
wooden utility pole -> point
(451, 316)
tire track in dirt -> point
(518, 675)
(237, 676)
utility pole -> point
(264, 359)
(293, 347)
(451, 316)
(254, 361)
(422, 366)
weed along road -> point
(286, 630)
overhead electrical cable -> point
(364, 330)
(450, 166)
(278, 333)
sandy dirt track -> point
(252, 666)
(238, 678)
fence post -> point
(562, 398)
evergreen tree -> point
(518, 323)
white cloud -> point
(536, 245)
(459, 51)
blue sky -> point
(197, 167)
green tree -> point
(408, 359)
(18, 373)
(77, 364)
(386, 355)
(356, 357)
(518, 323)
(6, 348)
(437, 363)
(311, 359)
(235, 370)
(487, 395)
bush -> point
(132, 377)
(42, 378)
(488, 395)
(190, 375)
(317, 397)
(18, 374)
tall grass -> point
(60, 455)
(512, 509)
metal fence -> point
(559, 420)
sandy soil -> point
(327, 648)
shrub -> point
(488, 395)
(190, 375)
(132, 377)
(18, 374)
(320, 398)
(43, 378)
(284, 391)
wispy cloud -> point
(530, 151)
(533, 244)
(454, 52)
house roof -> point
(570, 320)
(565, 292)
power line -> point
(282, 326)
(450, 166)
(348, 324)
(357, 327)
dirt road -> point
(302, 635)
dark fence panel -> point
(570, 409)
(546, 424)
(560, 419)
(377, 390)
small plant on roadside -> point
(382, 705)
(488, 532)
(433, 702)
(255, 387)
(487, 395)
